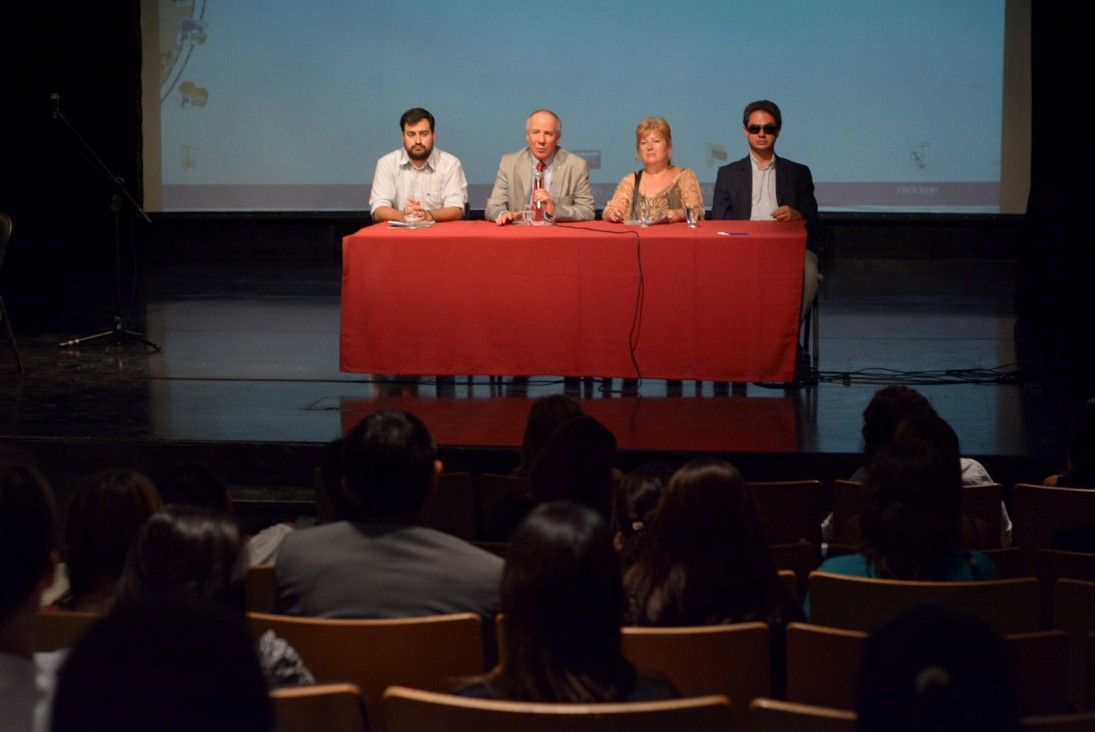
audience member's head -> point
(545, 415)
(912, 521)
(934, 431)
(26, 548)
(576, 465)
(886, 409)
(166, 665)
(186, 552)
(934, 670)
(707, 561)
(634, 502)
(103, 516)
(390, 464)
(563, 604)
(193, 484)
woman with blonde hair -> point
(661, 192)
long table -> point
(719, 302)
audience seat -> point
(772, 715)
(791, 511)
(413, 710)
(1039, 511)
(731, 660)
(801, 557)
(860, 603)
(425, 652)
(1074, 613)
(451, 507)
(1050, 565)
(57, 629)
(260, 585)
(822, 664)
(327, 707)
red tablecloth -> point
(470, 297)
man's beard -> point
(424, 154)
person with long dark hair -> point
(103, 516)
(563, 603)
(706, 561)
(634, 503)
(912, 522)
(197, 554)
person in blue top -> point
(912, 524)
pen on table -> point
(734, 233)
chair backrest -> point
(1038, 511)
(57, 629)
(861, 603)
(496, 492)
(1087, 698)
(451, 506)
(822, 663)
(849, 501)
(981, 515)
(1010, 563)
(1074, 613)
(771, 715)
(801, 557)
(425, 652)
(791, 511)
(1040, 671)
(327, 707)
(1084, 722)
(413, 710)
(980, 507)
(789, 581)
(1050, 565)
(260, 584)
(731, 660)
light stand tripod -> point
(120, 331)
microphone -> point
(539, 184)
(56, 99)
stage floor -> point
(250, 355)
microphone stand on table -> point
(119, 329)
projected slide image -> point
(287, 105)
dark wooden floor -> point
(248, 378)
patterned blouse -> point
(683, 191)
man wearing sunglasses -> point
(764, 187)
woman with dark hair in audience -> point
(1080, 468)
(932, 669)
(164, 665)
(104, 514)
(912, 522)
(633, 506)
(545, 415)
(563, 606)
(936, 432)
(706, 561)
(575, 464)
(195, 553)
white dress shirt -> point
(439, 183)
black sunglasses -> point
(768, 129)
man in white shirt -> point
(418, 182)
(26, 570)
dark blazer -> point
(794, 187)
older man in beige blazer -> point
(543, 175)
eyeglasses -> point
(768, 129)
